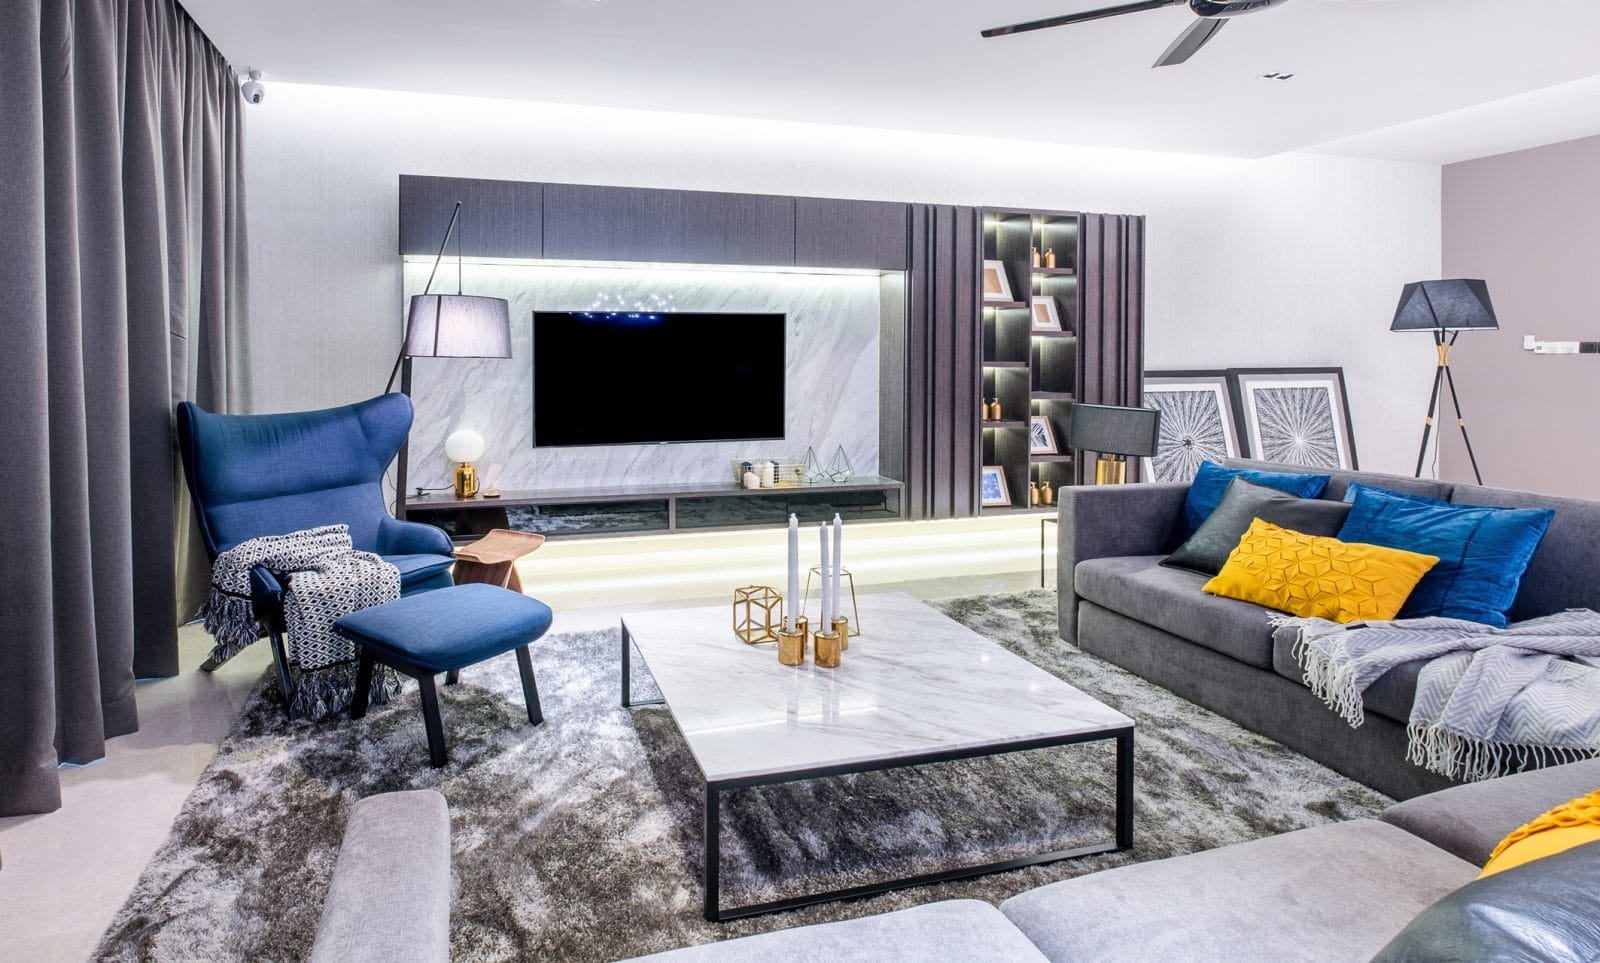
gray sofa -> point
(389, 899)
(1328, 894)
(1118, 602)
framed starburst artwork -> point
(1198, 422)
(1295, 416)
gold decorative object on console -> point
(464, 446)
(757, 614)
(844, 573)
(466, 481)
(1110, 470)
(826, 648)
(841, 628)
(792, 645)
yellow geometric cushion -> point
(1308, 575)
(1569, 824)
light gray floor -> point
(66, 873)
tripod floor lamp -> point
(1445, 309)
(449, 326)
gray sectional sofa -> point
(1118, 602)
(1327, 894)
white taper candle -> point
(791, 594)
(838, 562)
(822, 568)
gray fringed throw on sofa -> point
(326, 579)
(1488, 702)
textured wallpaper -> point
(1295, 259)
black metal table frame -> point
(714, 790)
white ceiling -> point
(1368, 70)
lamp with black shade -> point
(456, 325)
(1114, 432)
(1445, 308)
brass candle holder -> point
(826, 649)
(757, 614)
(841, 628)
(792, 645)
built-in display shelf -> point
(638, 509)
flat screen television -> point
(604, 378)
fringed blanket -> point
(326, 578)
(1488, 702)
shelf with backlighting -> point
(639, 509)
(1005, 305)
(1055, 272)
(1003, 424)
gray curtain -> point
(122, 276)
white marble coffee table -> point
(916, 688)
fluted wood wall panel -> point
(1111, 329)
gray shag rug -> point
(580, 839)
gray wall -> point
(1296, 259)
(1529, 223)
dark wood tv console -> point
(638, 509)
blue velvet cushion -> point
(1482, 551)
(1211, 482)
(451, 628)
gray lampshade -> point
(1112, 430)
(1451, 305)
(458, 326)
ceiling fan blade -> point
(1190, 41)
(1087, 15)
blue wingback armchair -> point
(254, 475)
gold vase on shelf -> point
(1035, 256)
(1047, 495)
(1034, 498)
(1050, 258)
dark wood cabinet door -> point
(851, 234)
(498, 218)
(584, 223)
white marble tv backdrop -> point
(832, 379)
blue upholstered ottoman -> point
(445, 631)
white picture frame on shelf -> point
(1041, 436)
(1046, 316)
(992, 487)
(996, 287)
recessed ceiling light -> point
(1278, 75)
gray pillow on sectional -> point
(1207, 550)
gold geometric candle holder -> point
(757, 614)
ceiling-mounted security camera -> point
(252, 89)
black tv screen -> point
(625, 379)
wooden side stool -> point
(492, 559)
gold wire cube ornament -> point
(757, 614)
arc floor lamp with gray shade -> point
(1445, 308)
(447, 326)
(1115, 432)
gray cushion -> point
(1546, 911)
(1170, 599)
(1470, 820)
(965, 929)
(1339, 481)
(1391, 696)
(390, 895)
(1207, 550)
(1563, 573)
(1331, 893)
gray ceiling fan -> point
(1213, 16)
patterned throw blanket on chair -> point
(326, 578)
(1489, 701)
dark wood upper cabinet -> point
(850, 234)
(584, 223)
(498, 218)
